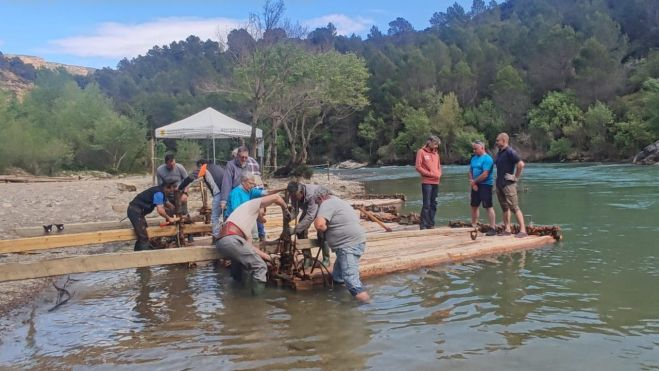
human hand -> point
(287, 214)
(223, 205)
(474, 186)
(510, 177)
(184, 198)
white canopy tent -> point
(209, 124)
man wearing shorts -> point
(509, 170)
(480, 181)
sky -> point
(95, 33)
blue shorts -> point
(483, 195)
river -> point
(589, 302)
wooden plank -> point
(104, 262)
(398, 203)
(392, 237)
(35, 179)
(54, 241)
(70, 228)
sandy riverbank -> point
(35, 204)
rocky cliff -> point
(39, 63)
(18, 80)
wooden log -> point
(104, 262)
(456, 254)
(35, 179)
(373, 218)
(53, 241)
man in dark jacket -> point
(212, 175)
(232, 173)
(142, 205)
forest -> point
(569, 80)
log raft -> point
(385, 253)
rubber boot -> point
(258, 288)
(308, 260)
(326, 255)
(141, 246)
(236, 270)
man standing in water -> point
(142, 205)
(427, 164)
(304, 197)
(509, 171)
(346, 238)
(235, 241)
(480, 182)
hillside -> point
(18, 72)
(39, 63)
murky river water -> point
(590, 302)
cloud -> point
(117, 40)
(344, 24)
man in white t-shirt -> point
(235, 241)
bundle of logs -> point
(389, 214)
(536, 230)
(395, 196)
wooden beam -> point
(54, 241)
(82, 227)
(396, 236)
(104, 262)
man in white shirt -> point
(235, 241)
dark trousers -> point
(138, 221)
(429, 208)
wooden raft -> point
(385, 253)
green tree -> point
(651, 106)
(333, 87)
(598, 125)
(448, 123)
(551, 117)
(630, 136)
(368, 131)
(598, 73)
(511, 96)
(416, 128)
(487, 119)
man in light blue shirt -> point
(480, 182)
(243, 192)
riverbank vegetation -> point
(570, 80)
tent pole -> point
(153, 159)
(213, 148)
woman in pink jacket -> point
(427, 164)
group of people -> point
(239, 203)
(509, 168)
(237, 216)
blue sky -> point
(97, 33)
